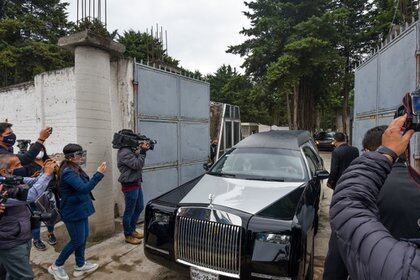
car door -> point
(312, 195)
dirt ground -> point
(119, 260)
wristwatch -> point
(387, 151)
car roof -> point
(276, 139)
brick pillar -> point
(93, 118)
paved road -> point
(119, 260)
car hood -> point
(244, 195)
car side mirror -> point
(322, 174)
(206, 166)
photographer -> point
(130, 164)
(76, 207)
(366, 246)
(8, 139)
(15, 223)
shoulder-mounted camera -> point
(128, 139)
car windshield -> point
(325, 136)
(261, 164)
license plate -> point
(197, 274)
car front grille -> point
(211, 245)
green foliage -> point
(308, 49)
(228, 86)
(29, 31)
(96, 26)
(144, 47)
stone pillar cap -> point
(91, 39)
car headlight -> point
(161, 218)
(274, 238)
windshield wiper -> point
(223, 174)
(268, 179)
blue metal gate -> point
(174, 110)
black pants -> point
(334, 267)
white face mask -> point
(40, 155)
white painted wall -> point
(48, 101)
(84, 105)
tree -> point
(29, 31)
(289, 51)
(228, 86)
(144, 47)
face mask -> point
(22, 172)
(9, 140)
(40, 155)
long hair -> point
(46, 156)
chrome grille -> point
(210, 245)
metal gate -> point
(383, 79)
(174, 110)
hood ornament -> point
(211, 198)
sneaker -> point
(58, 272)
(39, 245)
(86, 268)
(132, 240)
(52, 240)
(137, 235)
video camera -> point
(127, 138)
(411, 107)
(13, 188)
(23, 145)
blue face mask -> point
(9, 140)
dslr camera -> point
(127, 138)
(13, 187)
(23, 145)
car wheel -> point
(310, 273)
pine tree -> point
(29, 31)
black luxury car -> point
(253, 215)
(325, 140)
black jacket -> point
(399, 211)
(26, 158)
(341, 158)
(399, 204)
(366, 246)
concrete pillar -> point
(93, 118)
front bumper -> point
(257, 261)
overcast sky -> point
(199, 31)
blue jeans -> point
(133, 206)
(36, 232)
(79, 232)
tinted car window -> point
(259, 163)
(313, 160)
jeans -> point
(36, 233)
(133, 207)
(79, 232)
(15, 262)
